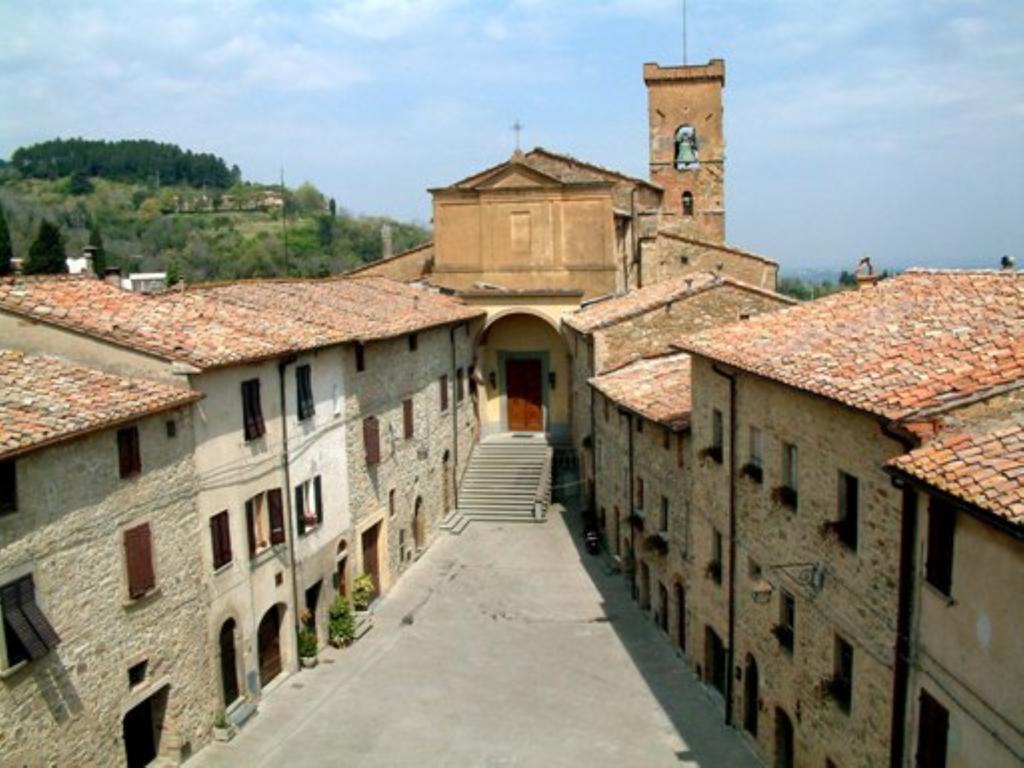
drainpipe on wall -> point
(634, 588)
(730, 653)
(289, 522)
(455, 419)
(904, 612)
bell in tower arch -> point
(686, 147)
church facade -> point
(535, 237)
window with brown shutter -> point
(304, 391)
(138, 550)
(220, 538)
(128, 451)
(275, 508)
(443, 388)
(460, 388)
(407, 418)
(932, 732)
(371, 439)
(252, 410)
(300, 509)
(28, 634)
(250, 525)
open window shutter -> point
(371, 440)
(275, 508)
(123, 454)
(220, 539)
(300, 509)
(319, 499)
(30, 608)
(247, 420)
(444, 393)
(407, 418)
(250, 526)
(139, 560)
(257, 408)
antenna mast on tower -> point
(684, 33)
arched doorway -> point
(341, 569)
(268, 639)
(446, 497)
(751, 683)
(419, 529)
(525, 370)
(228, 663)
(681, 617)
(783, 739)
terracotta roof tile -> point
(980, 462)
(224, 324)
(657, 388)
(918, 341)
(606, 312)
(45, 400)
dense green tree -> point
(6, 251)
(309, 199)
(99, 254)
(47, 256)
(79, 183)
(325, 231)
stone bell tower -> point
(687, 153)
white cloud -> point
(386, 19)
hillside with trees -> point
(197, 220)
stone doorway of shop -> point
(142, 728)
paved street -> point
(505, 646)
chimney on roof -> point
(112, 275)
(865, 273)
(1007, 263)
(385, 240)
(82, 265)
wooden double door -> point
(525, 395)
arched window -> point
(687, 203)
(686, 147)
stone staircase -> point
(508, 480)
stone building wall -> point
(670, 255)
(67, 707)
(966, 649)
(413, 469)
(580, 394)
(652, 332)
(665, 472)
(856, 594)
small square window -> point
(360, 357)
(137, 673)
(129, 459)
(413, 342)
(8, 487)
(172, 428)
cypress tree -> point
(99, 256)
(46, 256)
(6, 251)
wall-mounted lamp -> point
(492, 380)
(551, 379)
(762, 592)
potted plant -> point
(222, 729)
(307, 647)
(363, 591)
(341, 626)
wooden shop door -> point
(525, 395)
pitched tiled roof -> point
(917, 341)
(606, 312)
(668, 233)
(657, 388)
(225, 324)
(45, 400)
(981, 463)
(558, 167)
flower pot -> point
(227, 733)
(308, 662)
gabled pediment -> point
(513, 175)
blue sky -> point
(894, 129)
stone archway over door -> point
(228, 663)
(419, 526)
(268, 638)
